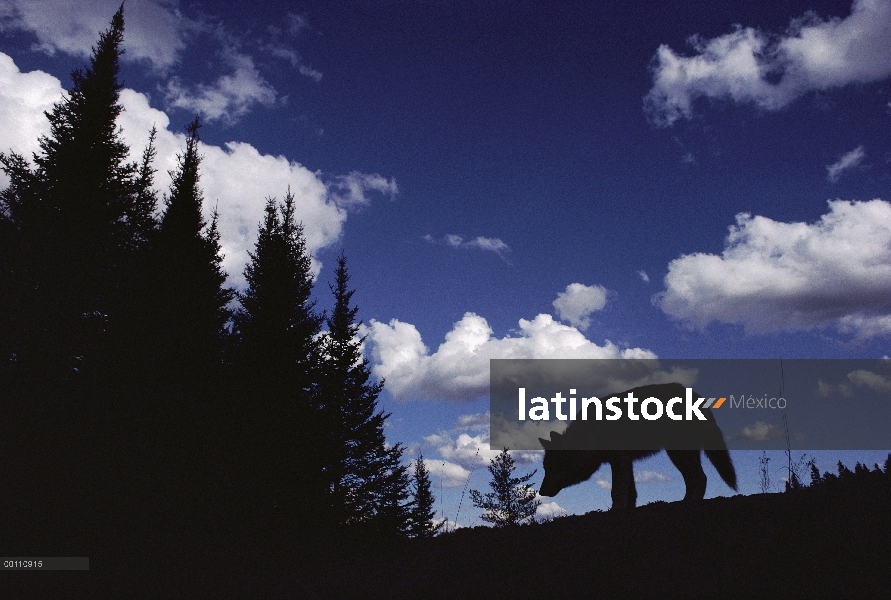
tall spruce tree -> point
(73, 217)
(193, 299)
(187, 337)
(422, 512)
(277, 358)
(368, 483)
(73, 223)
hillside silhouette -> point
(831, 544)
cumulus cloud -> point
(23, 99)
(155, 32)
(874, 381)
(466, 449)
(472, 451)
(548, 509)
(771, 71)
(231, 96)
(775, 276)
(449, 474)
(643, 275)
(236, 176)
(860, 377)
(577, 303)
(846, 162)
(459, 369)
(349, 191)
(479, 243)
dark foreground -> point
(802, 545)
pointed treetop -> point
(183, 214)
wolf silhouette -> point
(566, 465)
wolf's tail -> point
(718, 455)
(724, 466)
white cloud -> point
(280, 46)
(644, 276)
(578, 302)
(448, 525)
(236, 175)
(643, 477)
(23, 98)
(847, 161)
(479, 243)
(239, 178)
(472, 422)
(650, 477)
(874, 381)
(750, 66)
(472, 451)
(775, 276)
(154, 31)
(459, 369)
(310, 72)
(448, 474)
(349, 190)
(230, 97)
(548, 509)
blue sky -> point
(526, 179)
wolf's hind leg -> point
(624, 492)
(689, 464)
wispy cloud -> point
(761, 431)
(159, 33)
(771, 71)
(479, 243)
(846, 162)
(476, 421)
(156, 32)
(229, 97)
(280, 45)
(350, 191)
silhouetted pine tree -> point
(277, 358)
(368, 483)
(76, 222)
(186, 339)
(422, 512)
(193, 300)
(510, 502)
(73, 214)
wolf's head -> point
(564, 467)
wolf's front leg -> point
(624, 492)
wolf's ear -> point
(555, 437)
(545, 443)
